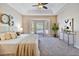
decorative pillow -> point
(13, 35)
(18, 33)
(2, 37)
(7, 36)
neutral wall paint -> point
(17, 17)
(27, 19)
(68, 12)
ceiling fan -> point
(41, 5)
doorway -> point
(40, 27)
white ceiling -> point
(28, 9)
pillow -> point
(7, 36)
(2, 36)
(18, 33)
(13, 35)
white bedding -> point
(17, 40)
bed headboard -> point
(4, 28)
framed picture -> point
(68, 24)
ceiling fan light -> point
(40, 6)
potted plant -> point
(55, 28)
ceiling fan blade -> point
(44, 3)
(34, 5)
(39, 3)
(45, 7)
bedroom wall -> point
(17, 17)
(68, 12)
(27, 19)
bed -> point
(23, 45)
